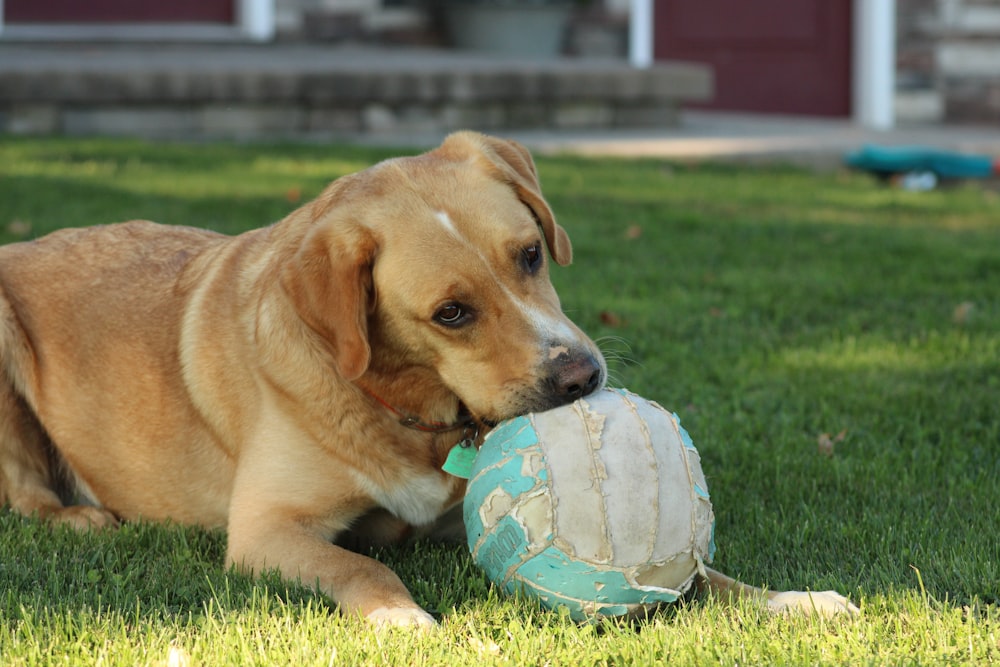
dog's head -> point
(436, 266)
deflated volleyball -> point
(600, 507)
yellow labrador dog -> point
(298, 381)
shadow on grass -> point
(168, 572)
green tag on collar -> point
(459, 461)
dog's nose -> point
(578, 378)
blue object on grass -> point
(890, 160)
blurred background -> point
(251, 68)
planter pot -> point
(529, 29)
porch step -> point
(286, 90)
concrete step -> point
(245, 91)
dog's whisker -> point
(613, 345)
(617, 351)
(615, 381)
(615, 339)
(621, 358)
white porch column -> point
(256, 19)
(640, 33)
(874, 66)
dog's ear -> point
(514, 164)
(329, 281)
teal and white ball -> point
(600, 506)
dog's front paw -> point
(84, 517)
(824, 603)
(413, 617)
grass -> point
(832, 345)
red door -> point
(776, 56)
(117, 11)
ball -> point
(600, 507)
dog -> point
(298, 383)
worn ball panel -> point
(600, 506)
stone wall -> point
(325, 91)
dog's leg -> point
(826, 603)
(30, 475)
(276, 523)
(27, 480)
(358, 584)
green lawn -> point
(832, 345)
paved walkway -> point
(717, 135)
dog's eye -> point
(452, 315)
(532, 256)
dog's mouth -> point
(569, 377)
(489, 423)
(465, 415)
(536, 401)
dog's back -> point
(67, 300)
